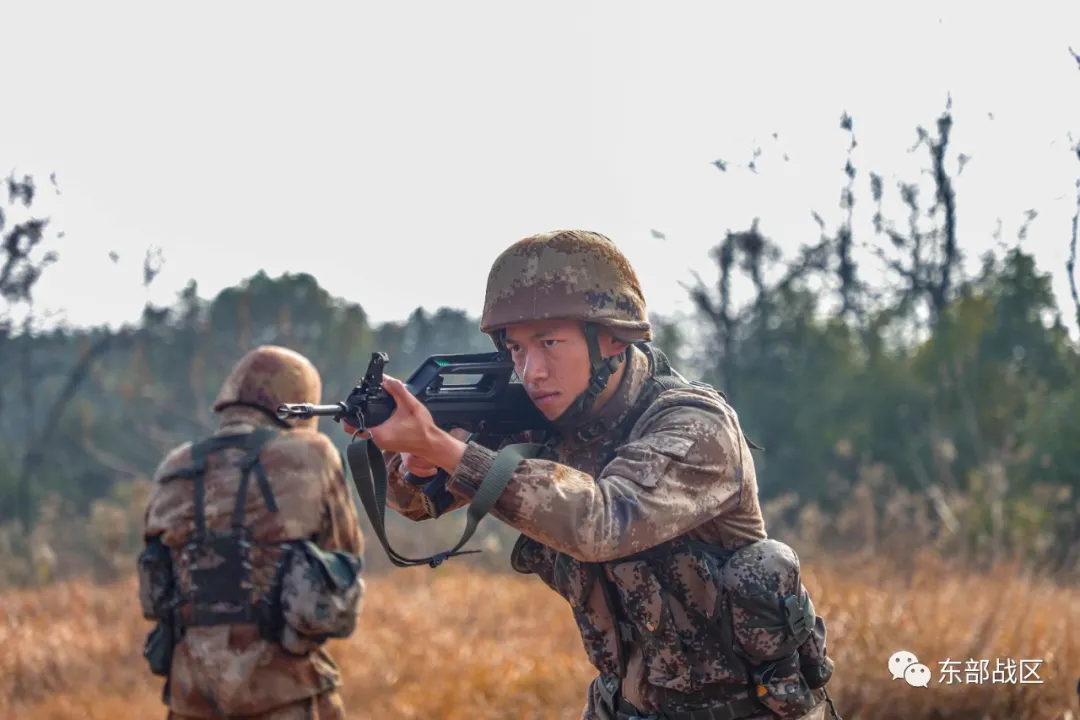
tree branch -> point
(110, 461)
(1070, 264)
(35, 453)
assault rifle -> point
(492, 408)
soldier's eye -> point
(550, 343)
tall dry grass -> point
(461, 643)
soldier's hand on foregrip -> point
(418, 468)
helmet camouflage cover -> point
(566, 274)
(268, 376)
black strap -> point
(357, 504)
(264, 486)
(734, 710)
(241, 499)
(195, 473)
(210, 618)
(664, 377)
(252, 442)
(200, 504)
(368, 469)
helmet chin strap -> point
(600, 371)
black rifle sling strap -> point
(368, 469)
(358, 504)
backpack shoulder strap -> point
(253, 443)
(195, 472)
(665, 377)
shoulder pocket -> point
(645, 460)
(674, 445)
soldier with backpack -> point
(252, 555)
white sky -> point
(371, 144)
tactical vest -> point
(709, 620)
(297, 594)
(214, 572)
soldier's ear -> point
(610, 346)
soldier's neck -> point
(241, 415)
(613, 384)
(617, 399)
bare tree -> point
(720, 312)
(929, 261)
(1070, 264)
(846, 266)
(752, 254)
(21, 268)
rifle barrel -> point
(302, 411)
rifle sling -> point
(368, 470)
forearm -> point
(406, 498)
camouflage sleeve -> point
(404, 497)
(160, 518)
(686, 468)
(341, 526)
(149, 565)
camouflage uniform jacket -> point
(681, 472)
(231, 669)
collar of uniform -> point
(238, 416)
(599, 423)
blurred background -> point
(860, 224)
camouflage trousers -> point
(327, 706)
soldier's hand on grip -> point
(417, 465)
(410, 429)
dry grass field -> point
(460, 643)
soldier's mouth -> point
(542, 399)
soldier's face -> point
(552, 359)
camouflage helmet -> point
(268, 376)
(566, 274)
(569, 275)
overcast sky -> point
(393, 149)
